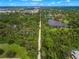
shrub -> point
(11, 41)
(10, 54)
(1, 51)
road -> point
(39, 40)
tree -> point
(11, 41)
(1, 51)
(11, 54)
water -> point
(56, 23)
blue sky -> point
(39, 2)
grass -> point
(21, 52)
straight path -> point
(39, 39)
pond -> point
(52, 22)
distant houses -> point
(30, 11)
(9, 10)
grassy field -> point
(21, 52)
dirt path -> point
(39, 40)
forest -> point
(19, 34)
(58, 41)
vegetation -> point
(11, 54)
(19, 29)
(1, 51)
(19, 34)
(14, 51)
(58, 41)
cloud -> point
(51, 4)
(36, 0)
(68, 0)
(24, 0)
(59, 2)
(12, 4)
(35, 4)
(10, 0)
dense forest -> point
(19, 34)
(58, 41)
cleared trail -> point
(39, 40)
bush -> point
(11, 41)
(11, 54)
(1, 51)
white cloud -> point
(36, 0)
(68, 0)
(59, 2)
(34, 3)
(52, 4)
(12, 4)
(10, 0)
(24, 0)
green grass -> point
(20, 51)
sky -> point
(39, 2)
